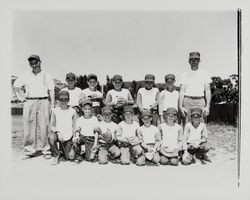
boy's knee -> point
(114, 151)
(164, 160)
(52, 137)
(137, 150)
(141, 161)
(174, 161)
(204, 147)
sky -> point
(127, 42)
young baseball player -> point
(195, 139)
(172, 136)
(168, 97)
(148, 97)
(93, 94)
(150, 138)
(86, 132)
(118, 98)
(75, 93)
(62, 124)
(126, 137)
(107, 137)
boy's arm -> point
(180, 139)
(161, 101)
(185, 137)
(130, 99)
(53, 122)
(204, 134)
(119, 135)
(208, 99)
(74, 118)
(140, 137)
(108, 100)
(139, 101)
(158, 138)
(155, 104)
(181, 98)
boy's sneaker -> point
(203, 162)
(206, 158)
(55, 160)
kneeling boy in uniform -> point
(106, 138)
(195, 139)
(87, 129)
(126, 138)
(172, 135)
(62, 124)
(150, 138)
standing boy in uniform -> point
(75, 93)
(147, 98)
(172, 136)
(168, 97)
(118, 98)
(39, 86)
(93, 94)
(62, 125)
(107, 137)
(86, 132)
(150, 138)
(195, 139)
(126, 137)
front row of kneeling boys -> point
(126, 141)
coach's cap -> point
(92, 76)
(197, 111)
(83, 102)
(150, 77)
(106, 110)
(146, 113)
(171, 110)
(70, 76)
(170, 76)
(117, 77)
(128, 109)
(194, 55)
(34, 57)
(63, 94)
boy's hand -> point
(183, 111)
(150, 149)
(60, 137)
(75, 138)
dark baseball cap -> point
(83, 102)
(107, 110)
(146, 113)
(171, 110)
(128, 108)
(63, 94)
(70, 76)
(150, 77)
(117, 77)
(170, 76)
(92, 76)
(34, 57)
(194, 55)
(197, 111)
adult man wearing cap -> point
(93, 94)
(194, 89)
(39, 86)
(168, 97)
(147, 98)
(118, 98)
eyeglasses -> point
(64, 99)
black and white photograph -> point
(124, 103)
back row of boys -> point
(115, 135)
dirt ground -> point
(37, 176)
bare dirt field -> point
(31, 177)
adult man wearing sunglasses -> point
(195, 89)
(39, 86)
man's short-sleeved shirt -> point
(35, 85)
(170, 135)
(148, 97)
(196, 133)
(128, 130)
(170, 99)
(86, 126)
(64, 122)
(74, 96)
(89, 93)
(115, 95)
(148, 133)
(195, 81)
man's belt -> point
(194, 97)
(36, 98)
